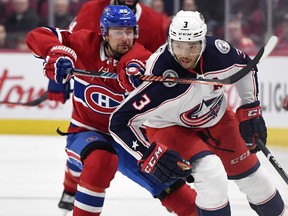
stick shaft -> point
(272, 160)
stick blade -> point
(271, 44)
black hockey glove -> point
(164, 164)
(252, 125)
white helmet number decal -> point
(222, 46)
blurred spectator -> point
(3, 36)
(252, 14)
(63, 18)
(280, 8)
(213, 12)
(20, 43)
(3, 10)
(20, 22)
(282, 32)
(189, 5)
(75, 6)
(23, 18)
(285, 103)
(238, 39)
(158, 6)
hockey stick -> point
(35, 102)
(272, 160)
(263, 52)
(227, 81)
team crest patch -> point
(90, 139)
(170, 73)
(222, 46)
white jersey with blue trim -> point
(194, 106)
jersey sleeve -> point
(150, 99)
(89, 15)
(151, 33)
(126, 120)
(247, 87)
(230, 60)
(42, 39)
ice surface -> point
(32, 171)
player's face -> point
(187, 53)
(130, 3)
(121, 39)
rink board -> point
(276, 136)
(24, 81)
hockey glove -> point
(128, 78)
(58, 62)
(252, 125)
(285, 103)
(164, 164)
(58, 91)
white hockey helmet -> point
(188, 26)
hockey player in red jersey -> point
(193, 119)
(151, 35)
(89, 145)
(88, 18)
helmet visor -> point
(186, 48)
(119, 32)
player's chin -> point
(186, 64)
(124, 49)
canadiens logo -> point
(170, 73)
(222, 46)
(101, 99)
(203, 112)
(90, 139)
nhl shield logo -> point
(170, 73)
(222, 46)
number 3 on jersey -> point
(142, 102)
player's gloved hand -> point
(285, 103)
(252, 125)
(164, 164)
(128, 78)
(58, 61)
(58, 91)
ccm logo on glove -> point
(153, 160)
(255, 112)
(164, 164)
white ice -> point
(32, 170)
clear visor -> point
(186, 48)
(119, 32)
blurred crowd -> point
(246, 28)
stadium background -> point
(21, 77)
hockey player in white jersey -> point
(195, 121)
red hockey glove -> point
(164, 164)
(58, 62)
(58, 91)
(252, 125)
(285, 103)
(128, 78)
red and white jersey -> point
(94, 99)
(151, 34)
(160, 105)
